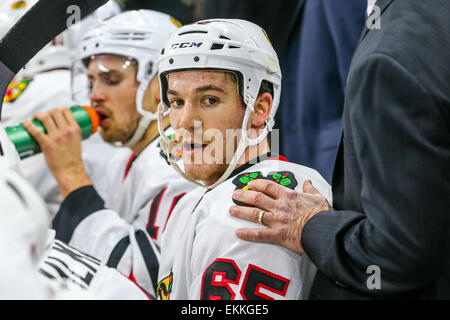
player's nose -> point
(190, 116)
(97, 95)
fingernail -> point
(238, 233)
(232, 209)
(236, 193)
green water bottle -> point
(27, 146)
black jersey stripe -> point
(151, 262)
(118, 252)
(154, 207)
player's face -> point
(204, 109)
(113, 93)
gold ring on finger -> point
(261, 216)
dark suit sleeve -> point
(401, 142)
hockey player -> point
(44, 84)
(123, 228)
(218, 78)
(35, 265)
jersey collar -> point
(258, 159)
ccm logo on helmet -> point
(186, 45)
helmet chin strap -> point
(243, 144)
(141, 129)
(147, 116)
(168, 146)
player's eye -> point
(176, 103)
(90, 83)
(112, 81)
(210, 101)
(110, 78)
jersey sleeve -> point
(63, 264)
(131, 248)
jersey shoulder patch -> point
(284, 178)
(165, 287)
(15, 89)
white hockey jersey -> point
(125, 233)
(47, 91)
(64, 265)
(203, 259)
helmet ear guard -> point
(238, 46)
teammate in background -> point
(220, 77)
(36, 266)
(44, 84)
(123, 228)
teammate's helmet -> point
(78, 30)
(137, 35)
(55, 55)
(23, 215)
(224, 44)
(60, 52)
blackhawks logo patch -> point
(15, 90)
(18, 5)
(284, 178)
(165, 287)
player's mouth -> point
(104, 117)
(190, 148)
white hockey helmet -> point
(138, 35)
(223, 44)
(60, 52)
(23, 215)
(78, 30)
(55, 55)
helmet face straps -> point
(229, 45)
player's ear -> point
(157, 92)
(263, 107)
(152, 95)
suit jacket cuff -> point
(324, 233)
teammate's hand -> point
(285, 212)
(61, 147)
